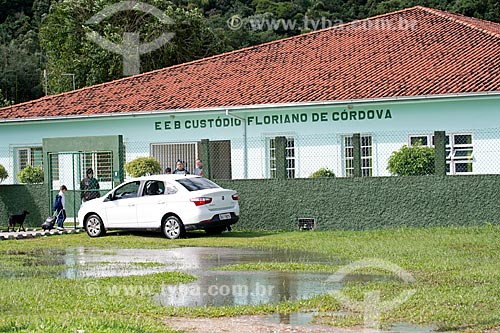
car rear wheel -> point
(172, 227)
(94, 226)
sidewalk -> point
(32, 233)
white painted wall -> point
(318, 143)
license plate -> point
(225, 216)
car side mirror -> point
(109, 197)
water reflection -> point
(245, 288)
(314, 318)
(212, 287)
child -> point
(59, 204)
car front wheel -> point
(94, 226)
(172, 227)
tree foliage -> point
(30, 175)
(416, 160)
(143, 166)
(322, 173)
(69, 50)
(200, 26)
(3, 173)
(4, 101)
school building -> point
(393, 79)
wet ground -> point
(213, 287)
(216, 287)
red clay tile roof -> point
(437, 53)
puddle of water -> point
(309, 319)
(407, 328)
(245, 288)
(295, 319)
(212, 287)
(88, 262)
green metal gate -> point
(69, 169)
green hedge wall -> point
(368, 203)
(16, 198)
(336, 203)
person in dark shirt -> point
(180, 170)
(87, 184)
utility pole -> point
(72, 76)
(46, 81)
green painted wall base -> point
(368, 203)
(338, 203)
(16, 198)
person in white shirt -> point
(199, 168)
(59, 207)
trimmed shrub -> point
(143, 166)
(30, 175)
(416, 160)
(322, 173)
(3, 173)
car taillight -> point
(201, 201)
(235, 197)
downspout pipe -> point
(245, 145)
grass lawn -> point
(456, 271)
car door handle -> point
(131, 205)
(161, 202)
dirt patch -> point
(244, 324)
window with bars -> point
(459, 151)
(366, 156)
(101, 162)
(28, 156)
(167, 154)
(290, 157)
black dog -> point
(17, 219)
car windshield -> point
(196, 184)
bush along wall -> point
(16, 198)
(368, 203)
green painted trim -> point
(440, 151)
(16, 198)
(205, 157)
(280, 155)
(356, 154)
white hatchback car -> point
(170, 203)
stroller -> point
(50, 221)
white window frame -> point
(29, 160)
(291, 158)
(461, 159)
(366, 171)
(451, 151)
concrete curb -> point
(33, 233)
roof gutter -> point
(246, 108)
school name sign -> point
(275, 119)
